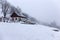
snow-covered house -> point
(13, 14)
(10, 12)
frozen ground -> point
(17, 31)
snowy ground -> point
(17, 31)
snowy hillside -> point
(17, 31)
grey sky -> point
(43, 10)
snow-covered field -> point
(41, 10)
(17, 31)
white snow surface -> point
(17, 31)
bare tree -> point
(4, 6)
(53, 24)
(5, 9)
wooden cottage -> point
(15, 17)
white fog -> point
(43, 10)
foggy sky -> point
(42, 10)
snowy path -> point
(19, 31)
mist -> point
(43, 10)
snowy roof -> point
(12, 9)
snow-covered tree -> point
(5, 6)
(29, 19)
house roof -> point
(12, 10)
(15, 15)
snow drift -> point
(17, 31)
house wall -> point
(10, 19)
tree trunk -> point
(4, 17)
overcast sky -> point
(43, 10)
